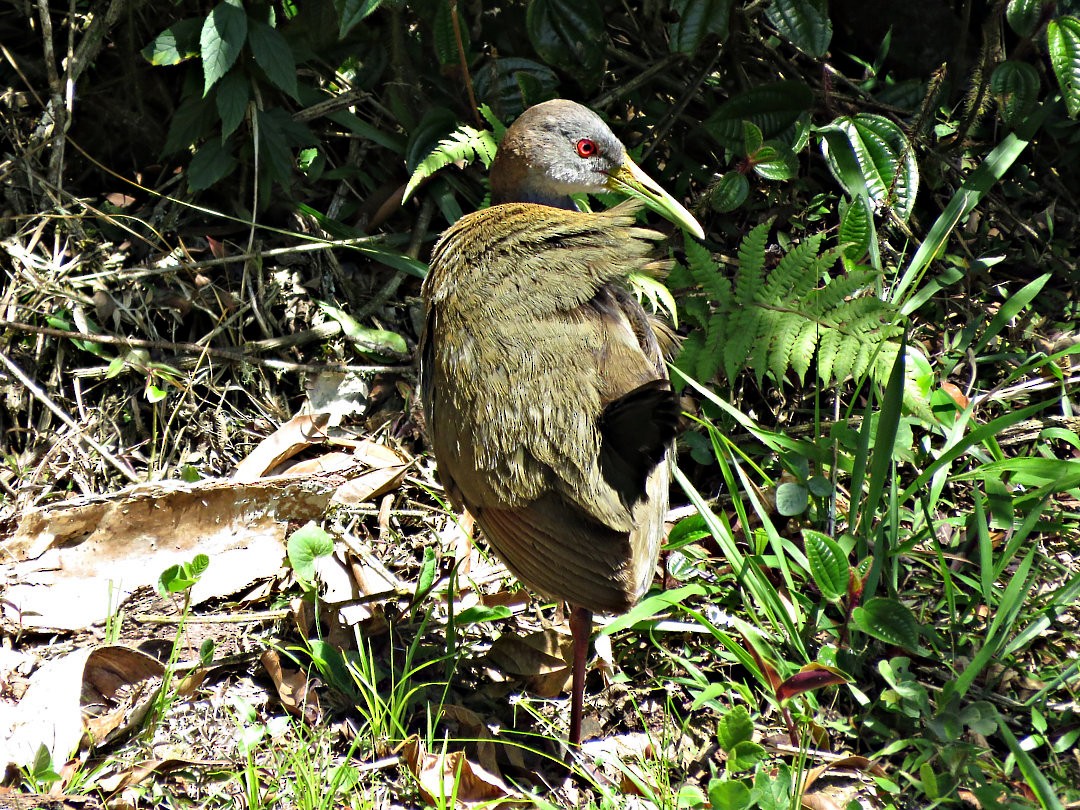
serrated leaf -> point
(729, 193)
(231, 97)
(465, 144)
(856, 230)
(734, 727)
(445, 39)
(307, 544)
(805, 23)
(273, 54)
(889, 621)
(571, 34)
(752, 138)
(1063, 39)
(178, 42)
(221, 40)
(698, 19)
(828, 564)
(771, 107)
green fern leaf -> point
(751, 265)
(464, 144)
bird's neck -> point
(538, 197)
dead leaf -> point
(78, 561)
(100, 693)
(543, 659)
(473, 728)
(445, 775)
(296, 435)
(293, 688)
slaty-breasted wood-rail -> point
(545, 391)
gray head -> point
(553, 150)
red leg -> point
(580, 630)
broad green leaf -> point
(791, 499)
(888, 620)
(211, 163)
(1023, 15)
(1063, 39)
(771, 107)
(828, 564)
(306, 544)
(688, 530)
(775, 161)
(231, 97)
(884, 158)
(478, 614)
(221, 40)
(1015, 87)
(805, 23)
(648, 607)
(728, 794)
(752, 138)
(730, 191)
(744, 756)
(734, 727)
(352, 12)
(273, 54)
(570, 34)
(176, 43)
(698, 19)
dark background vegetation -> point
(167, 169)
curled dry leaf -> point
(543, 659)
(97, 693)
(293, 689)
(444, 776)
(296, 435)
(470, 726)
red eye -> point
(586, 147)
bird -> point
(544, 383)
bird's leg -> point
(580, 630)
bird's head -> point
(559, 148)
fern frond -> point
(751, 271)
(465, 144)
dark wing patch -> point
(636, 431)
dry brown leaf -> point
(293, 688)
(327, 462)
(99, 693)
(444, 775)
(542, 659)
(296, 435)
(472, 727)
(9, 800)
(78, 561)
(140, 772)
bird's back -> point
(546, 395)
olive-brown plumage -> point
(544, 383)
